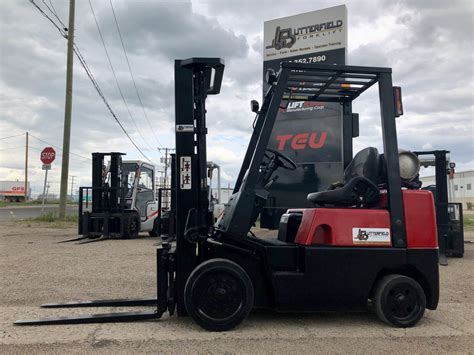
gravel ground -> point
(35, 270)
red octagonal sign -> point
(48, 155)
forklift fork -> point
(92, 318)
(73, 240)
(164, 301)
(119, 302)
(94, 240)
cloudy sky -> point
(429, 45)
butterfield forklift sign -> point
(307, 131)
(306, 34)
(185, 175)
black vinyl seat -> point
(360, 183)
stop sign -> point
(48, 155)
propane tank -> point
(409, 165)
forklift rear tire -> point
(399, 301)
(131, 225)
(218, 295)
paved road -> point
(12, 213)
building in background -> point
(13, 191)
(226, 192)
(53, 197)
(460, 187)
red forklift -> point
(369, 240)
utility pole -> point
(72, 184)
(67, 113)
(166, 162)
(26, 168)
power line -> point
(57, 147)
(53, 11)
(51, 3)
(131, 73)
(61, 31)
(101, 94)
(92, 79)
(9, 148)
(16, 135)
(115, 76)
(77, 161)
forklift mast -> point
(195, 78)
(450, 228)
(106, 196)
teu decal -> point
(313, 140)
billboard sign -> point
(309, 132)
(307, 35)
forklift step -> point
(124, 302)
(92, 318)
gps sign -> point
(48, 155)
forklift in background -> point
(121, 201)
(364, 241)
(449, 215)
(165, 219)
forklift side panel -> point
(334, 226)
(426, 264)
(335, 278)
(420, 219)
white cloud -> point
(429, 44)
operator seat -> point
(360, 183)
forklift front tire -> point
(399, 301)
(131, 225)
(218, 295)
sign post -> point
(47, 157)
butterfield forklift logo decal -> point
(287, 37)
(371, 235)
(184, 128)
(185, 174)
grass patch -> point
(52, 217)
(51, 220)
(32, 203)
(468, 222)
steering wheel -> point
(285, 162)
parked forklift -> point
(449, 215)
(121, 201)
(364, 241)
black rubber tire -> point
(399, 301)
(131, 225)
(154, 231)
(218, 286)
